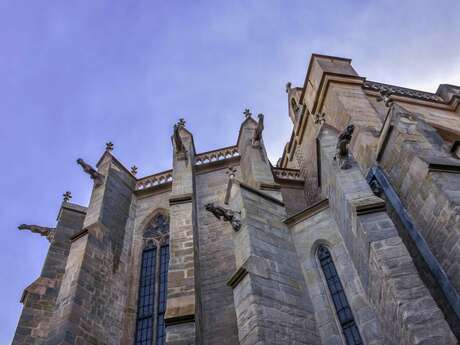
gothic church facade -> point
(352, 238)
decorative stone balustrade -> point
(287, 174)
(154, 180)
(217, 155)
(402, 91)
(200, 159)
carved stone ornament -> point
(178, 143)
(41, 230)
(134, 170)
(342, 153)
(256, 139)
(227, 215)
(320, 118)
(67, 196)
(231, 172)
(385, 97)
(247, 113)
(109, 146)
(95, 176)
(288, 86)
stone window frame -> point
(325, 288)
(328, 292)
(149, 241)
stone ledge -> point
(237, 277)
(177, 320)
(307, 213)
(250, 189)
(270, 186)
(443, 166)
(79, 234)
(261, 194)
(38, 287)
(180, 199)
(369, 205)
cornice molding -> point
(307, 213)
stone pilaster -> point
(255, 167)
(271, 301)
(91, 301)
(39, 298)
(181, 303)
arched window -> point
(344, 314)
(153, 281)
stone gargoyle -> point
(342, 153)
(385, 97)
(256, 139)
(95, 176)
(225, 214)
(178, 143)
(41, 230)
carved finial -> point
(231, 172)
(41, 230)
(320, 118)
(95, 176)
(288, 86)
(67, 196)
(225, 214)
(109, 146)
(134, 170)
(247, 113)
(181, 122)
(385, 96)
(342, 153)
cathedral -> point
(352, 237)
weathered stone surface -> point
(321, 229)
(271, 302)
(385, 267)
(39, 298)
(262, 283)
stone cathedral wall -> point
(246, 270)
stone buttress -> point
(270, 296)
(40, 297)
(91, 301)
(181, 303)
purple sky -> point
(75, 74)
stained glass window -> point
(344, 313)
(151, 306)
(162, 291)
(145, 304)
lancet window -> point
(344, 314)
(153, 282)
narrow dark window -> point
(145, 305)
(344, 314)
(162, 292)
